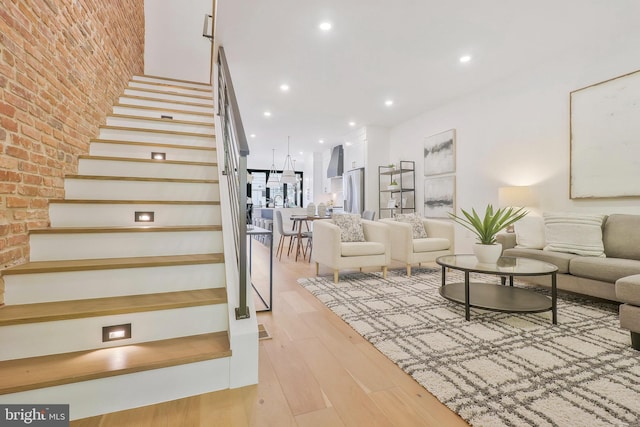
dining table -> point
(300, 221)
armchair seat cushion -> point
(349, 249)
(431, 244)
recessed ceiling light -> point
(465, 58)
(348, 143)
(302, 153)
(267, 113)
(321, 141)
(325, 26)
(284, 87)
(352, 124)
(388, 102)
(253, 135)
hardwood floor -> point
(314, 371)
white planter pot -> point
(487, 254)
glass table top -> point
(505, 265)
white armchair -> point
(439, 241)
(329, 250)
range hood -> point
(336, 166)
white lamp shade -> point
(516, 196)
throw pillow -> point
(417, 225)
(574, 233)
(530, 232)
(350, 227)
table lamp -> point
(515, 197)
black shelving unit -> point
(403, 196)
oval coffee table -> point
(494, 297)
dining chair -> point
(291, 234)
(369, 215)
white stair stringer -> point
(95, 224)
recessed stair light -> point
(325, 26)
(465, 58)
(140, 216)
(158, 156)
(116, 332)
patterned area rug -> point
(498, 369)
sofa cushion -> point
(574, 233)
(430, 244)
(361, 248)
(530, 232)
(628, 289)
(350, 227)
(621, 236)
(604, 269)
(559, 259)
(417, 225)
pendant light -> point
(273, 182)
(288, 174)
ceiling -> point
(406, 50)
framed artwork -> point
(605, 139)
(439, 153)
(439, 196)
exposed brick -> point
(17, 152)
(17, 202)
(9, 176)
(8, 124)
(7, 110)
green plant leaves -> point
(492, 223)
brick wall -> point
(63, 64)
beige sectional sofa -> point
(615, 276)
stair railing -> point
(236, 151)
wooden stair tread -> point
(130, 178)
(172, 93)
(170, 79)
(168, 101)
(173, 110)
(35, 267)
(170, 132)
(136, 160)
(94, 307)
(47, 371)
(161, 120)
(133, 202)
(138, 229)
(153, 144)
(206, 89)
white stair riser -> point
(65, 336)
(165, 124)
(204, 108)
(157, 137)
(157, 169)
(156, 114)
(144, 152)
(74, 285)
(167, 96)
(168, 88)
(122, 215)
(51, 247)
(171, 82)
(112, 394)
(140, 190)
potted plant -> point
(393, 185)
(486, 228)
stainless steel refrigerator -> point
(353, 190)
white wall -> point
(517, 133)
(174, 46)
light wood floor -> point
(314, 371)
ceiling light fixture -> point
(352, 124)
(272, 181)
(284, 87)
(321, 141)
(325, 26)
(288, 175)
(253, 135)
(465, 58)
(388, 102)
(267, 113)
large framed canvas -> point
(439, 153)
(605, 139)
(439, 196)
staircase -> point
(96, 266)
